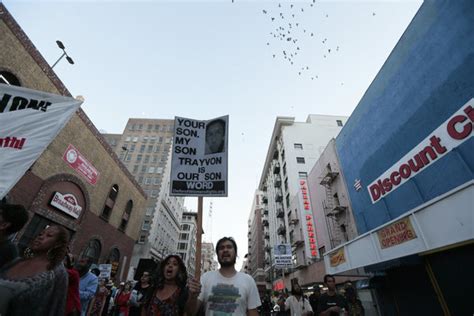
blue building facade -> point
(427, 78)
(422, 97)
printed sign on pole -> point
(29, 121)
(199, 160)
(105, 270)
(283, 256)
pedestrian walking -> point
(122, 300)
(37, 284)
(296, 303)
(169, 295)
(73, 302)
(98, 301)
(12, 219)
(331, 303)
(140, 293)
(226, 290)
(87, 285)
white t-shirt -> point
(296, 307)
(228, 296)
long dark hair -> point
(57, 253)
(158, 281)
(181, 277)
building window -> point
(145, 139)
(152, 139)
(160, 140)
(146, 224)
(110, 202)
(147, 159)
(132, 127)
(185, 227)
(149, 211)
(303, 175)
(147, 180)
(139, 158)
(182, 246)
(298, 146)
(157, 149)
(151, 170)
(9, 79)
(135, 168)
(286, 184)
(149, 127)
(140, 127)
(284, 169)
(155, 159)
(140, 179)
(300, 160)
(287, 198)
(154, 193)
(142, 238)
(339, 122)
(142, 148)
(135, 139)
(184, 236)
(92, 250)
(150, 149)
(126, 216)
(132, 148)
(157, 127)
(156, 181)
(128, 158)
(128, 138)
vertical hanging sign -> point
(308, 222)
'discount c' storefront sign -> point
(453, 132)
(199, 159)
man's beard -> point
(226, 264)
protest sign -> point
(199, 157)
(283, 256)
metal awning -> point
(443, 221)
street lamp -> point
(69, 59)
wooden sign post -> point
(197, 274)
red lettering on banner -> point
(459, 127)
(311, 235)
(466, 128)
(314, 253)
(308, 217)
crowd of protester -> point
(47, 280)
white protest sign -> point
(199, 159)
(29, 121)
(283, 256)
(105, 271)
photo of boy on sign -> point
(215, 137)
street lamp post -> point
(68, 58)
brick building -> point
(111, 202)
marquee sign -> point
(66, 203)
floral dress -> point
(167, 307)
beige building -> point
(112, 202)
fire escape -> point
(333, 210)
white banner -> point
(283, 256)
(199, 160)
(29, 121)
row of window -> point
(149, 181)
(148, 169)
(152, 193)
(151, 139)
(151, 127)
(130, 148)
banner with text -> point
(29, 121)
(199, 157)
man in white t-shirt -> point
(225, 291)
(296, 303)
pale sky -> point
(204, 59)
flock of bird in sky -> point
(289, 36)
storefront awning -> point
(440, 222)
